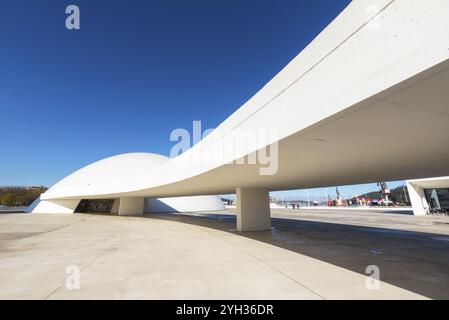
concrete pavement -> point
(307, 255)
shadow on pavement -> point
(414, 261)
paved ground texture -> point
(315, 254)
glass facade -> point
(95, 206)
(438, 199)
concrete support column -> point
(418, 199)
(253, 209)
(130, 206)
(115, 206)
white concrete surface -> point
(253, 210)
(184, 204)
(117, 168)
(64, 206)
(130, 206)
(417, 199)
(175, 256)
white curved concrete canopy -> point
(116, 168)
(365, 101)
(366, 104)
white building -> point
(365, 101)
(120, 168)
(429, 195)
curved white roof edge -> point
(353, 66)
(119, 167)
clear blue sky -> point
(135, 71)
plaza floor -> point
(309, 254)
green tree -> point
(23, 196)
(8, 200)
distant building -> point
(429, 195)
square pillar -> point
(130, 206)
(115, 206)
(253, 209)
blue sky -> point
(135, 71)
